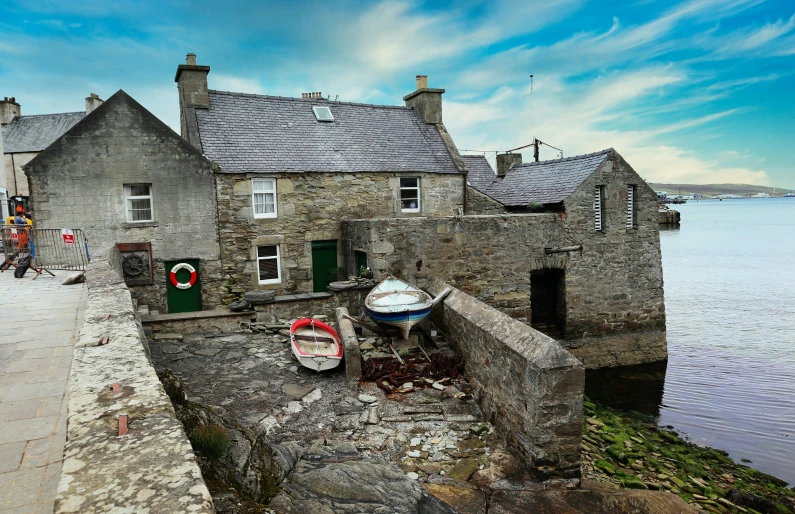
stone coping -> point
(300, 297)
(183, 316)
(457, 217)
(125, 449)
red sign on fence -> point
(68, 236)
(14, 235)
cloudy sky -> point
(694, 91)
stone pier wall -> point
(527, 385)
(613, 308)
(150, 469)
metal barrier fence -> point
(47, 248)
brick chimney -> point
(192, 84)
(9, 108)
(92, 102)
(506, 161)
(426, 101)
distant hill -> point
(718, 189)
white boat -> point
(398, 304)
(315, 344)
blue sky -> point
(695, 91)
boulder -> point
(240, 306)
(259, 297)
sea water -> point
(729, 383)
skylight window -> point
(322, 113)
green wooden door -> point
(324, 265)
(361, 262)
(184, 297)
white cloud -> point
(235, 84)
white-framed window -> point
(598, 208)
(138, 200)
(269, 265)
(632, 217)
(263, 197)
(410, 194)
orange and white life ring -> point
(182, 285)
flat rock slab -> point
(208, 352)
(594, 502)
(463, 500)
(463, 469)
(168, 337)
(339, 480)
(297, 391)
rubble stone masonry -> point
(311, 207)
(614, 311)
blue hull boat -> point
(398, 304)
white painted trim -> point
(278, 259)
(254, 192)
(419, 194)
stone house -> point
(25, 136)
(291, 169)
(127, 179)
(569, 246)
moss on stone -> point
(654, 457)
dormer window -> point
(322, 113)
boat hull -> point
(402, 320)
(315, 344)
(317, 363)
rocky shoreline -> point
(629, 451)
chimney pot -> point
(190, 60)
(422, 81)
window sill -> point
(261, 217)
(141, 224)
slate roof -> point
(35, 133)
(545, 181)
(481, 175)
(255, 133)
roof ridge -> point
(50, 114)
(294, 99)
(563, 159)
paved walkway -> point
(38, 321)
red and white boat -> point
(315, 344)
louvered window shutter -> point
(597, 208)
(630, 206)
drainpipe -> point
(466, 176)
(14, 173)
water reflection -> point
(639, 388)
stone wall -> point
(152, 468)
(78, 182)
(289, 307)
(612, 300)
(311, 207)
(527, 385)
(16, 180)
(489, 257)
(615, 287)
(478, 203)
